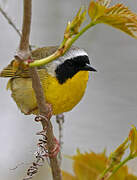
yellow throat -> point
(62, 97)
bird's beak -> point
(88, 67)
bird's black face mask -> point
(71, 66)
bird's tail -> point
(14, 70)
(10, 70)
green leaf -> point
(133, 139)
(122, 18)
(74, 26)
(116, 156)
(131, 177)
(89, 166)
(117, 16)
(105, 3)
(96, 10)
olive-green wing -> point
(12, 69)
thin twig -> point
(60, 121)
(10, 21)
(20, 164)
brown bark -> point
(44, 111)
(23, 54)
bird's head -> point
(66, 66)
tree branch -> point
(44, 110)
(10, 21)
(24, 50)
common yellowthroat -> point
(64, 80)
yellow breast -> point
(62, 97)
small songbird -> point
(64, 80)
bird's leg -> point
(60, 121)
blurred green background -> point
(103, 117)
